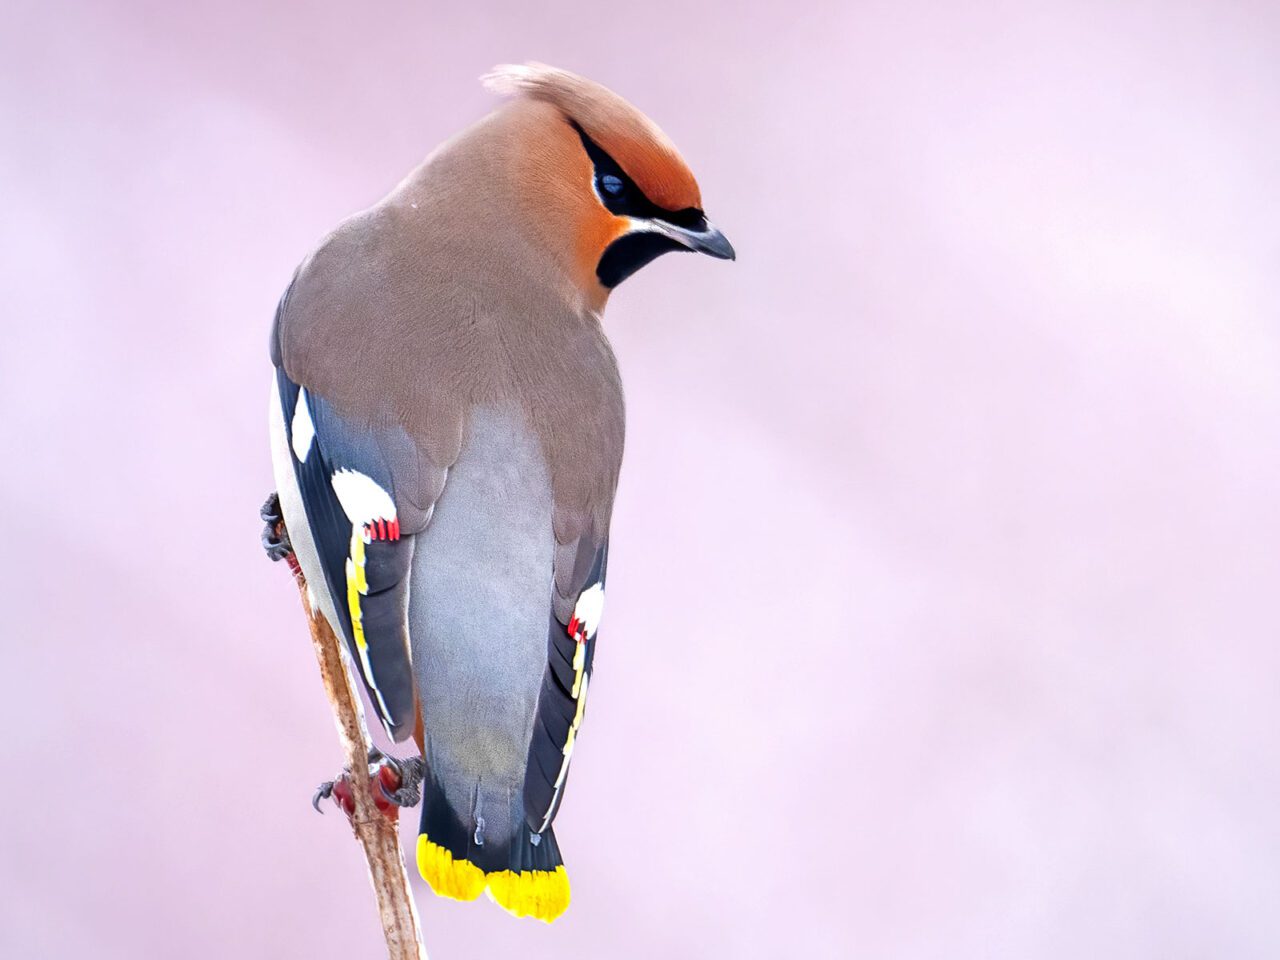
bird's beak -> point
(702, 238)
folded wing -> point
(348, 476)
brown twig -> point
(376, 833)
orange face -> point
(660, 184)
(603, 171)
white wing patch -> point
(304, 431)
(362, 499)
(588, 609)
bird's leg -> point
(275, 538)
(394, 783)
(400, 781)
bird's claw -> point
(398, 785)
(275, 538)
(323, 792)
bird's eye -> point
(611, 185)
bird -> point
(447, 426)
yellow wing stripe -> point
(357, 586)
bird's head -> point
(604, 185)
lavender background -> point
(943, 602)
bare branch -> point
(376, 833)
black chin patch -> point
(629, 253)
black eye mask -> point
(622, 197)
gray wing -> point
(367, 491)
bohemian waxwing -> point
(447, 426)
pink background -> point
(943, 602)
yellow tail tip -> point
(456, 879)
(541, 894)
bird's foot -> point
(394, 784)
(275, 538)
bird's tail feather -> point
(523, 872)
